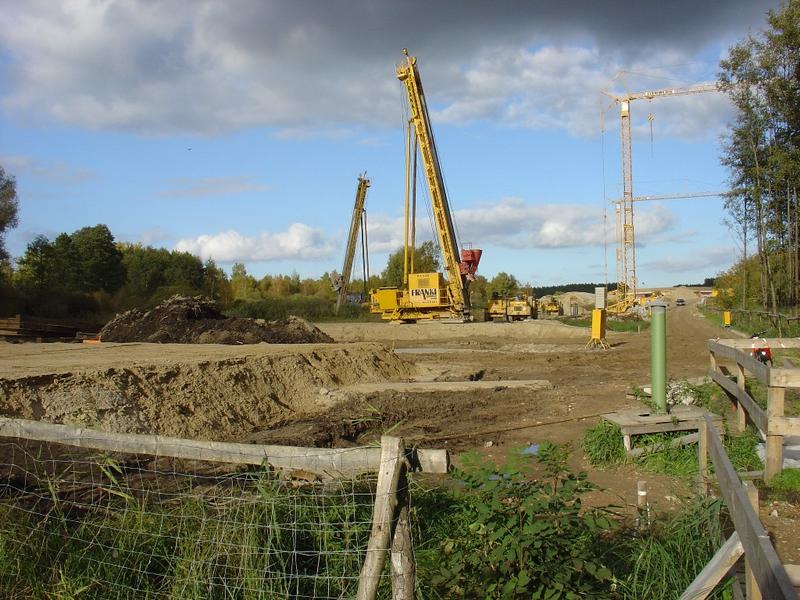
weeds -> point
(603, 444)
(785, 486)
(603, 447)
(509, 532)
(659, 562)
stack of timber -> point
(20, 326)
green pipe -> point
(658, 356)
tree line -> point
(87, 274)
(761, 75)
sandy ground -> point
(348, 393)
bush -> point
(524, 537)
(308, 307)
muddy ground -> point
(501, 386)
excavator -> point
(341, 283)
(427, 295)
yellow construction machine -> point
(551, 307)
(341, 283)
(515, 307)
(426, 295)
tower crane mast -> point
(626, 242)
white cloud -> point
(708, 260)
(514, 223)
(59, 172)
(212, 186)
(298, 242)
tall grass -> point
(258, 544)
(659, 561)
(254, 538)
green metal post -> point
(658, 356)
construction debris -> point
(198, 320)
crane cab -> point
(425, 298)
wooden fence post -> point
(751, 587)
(403, 564)
(774, 446)
(702, 457)
(391, 466)
(741, 413)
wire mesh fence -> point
(81, 524)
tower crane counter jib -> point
(428, 295)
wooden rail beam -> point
(754, 411)
(737, 355)
(331, 462)
(704, 584)
(767, 568)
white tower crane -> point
(626, 248)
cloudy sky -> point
(237, 130)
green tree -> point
(36, 271)
(9, 205)
(144, 268)
(215, 282)
(426, 260)
(502, 284)
(243, 286)
(478, 290)
(100, 259)
(184, 271)
(761, 74)
(67, 263)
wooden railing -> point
(772, 422)
(765, 574)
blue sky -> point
(238, 130)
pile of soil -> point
(198, 320)
(185, 391)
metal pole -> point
(414, 208)
(407, 200)
(658, 355)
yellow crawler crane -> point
(341, 283)
(427, 295)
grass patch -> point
(604, 448)
(603, 444)
(784, 486)
(710, 396)
(748, 323)
(791, 400)
(626, 325)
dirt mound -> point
(198, 320)
(221, 396)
